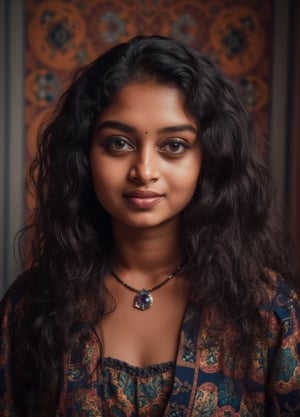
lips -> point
(142, 194)
(143, 199)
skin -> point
(145, 162)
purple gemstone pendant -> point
(143, 300)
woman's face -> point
(145, 155)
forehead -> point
(149, 103)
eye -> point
(174, 146)
(117, 144)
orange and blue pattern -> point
(199, 384)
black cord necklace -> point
(144, 300)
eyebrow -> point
(130, 129)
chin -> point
(144, 223)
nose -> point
(145, 166)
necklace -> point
(144, 300)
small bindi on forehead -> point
(146, 132)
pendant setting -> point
(143, 300)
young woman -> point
(161, 281)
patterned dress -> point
(199, 384)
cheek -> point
(102, 187)
(102, 172)
(101, 181)
(186, 178)
(182, 188)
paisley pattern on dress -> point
(199, 384)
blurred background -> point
(42, 43)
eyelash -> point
(181, 143)
(111, 141)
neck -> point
(155, 251)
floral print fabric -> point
(131, 391)
(200, 384)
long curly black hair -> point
(229, 229)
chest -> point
(143, 338)
(197, 385)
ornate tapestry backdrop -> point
(63, 35)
